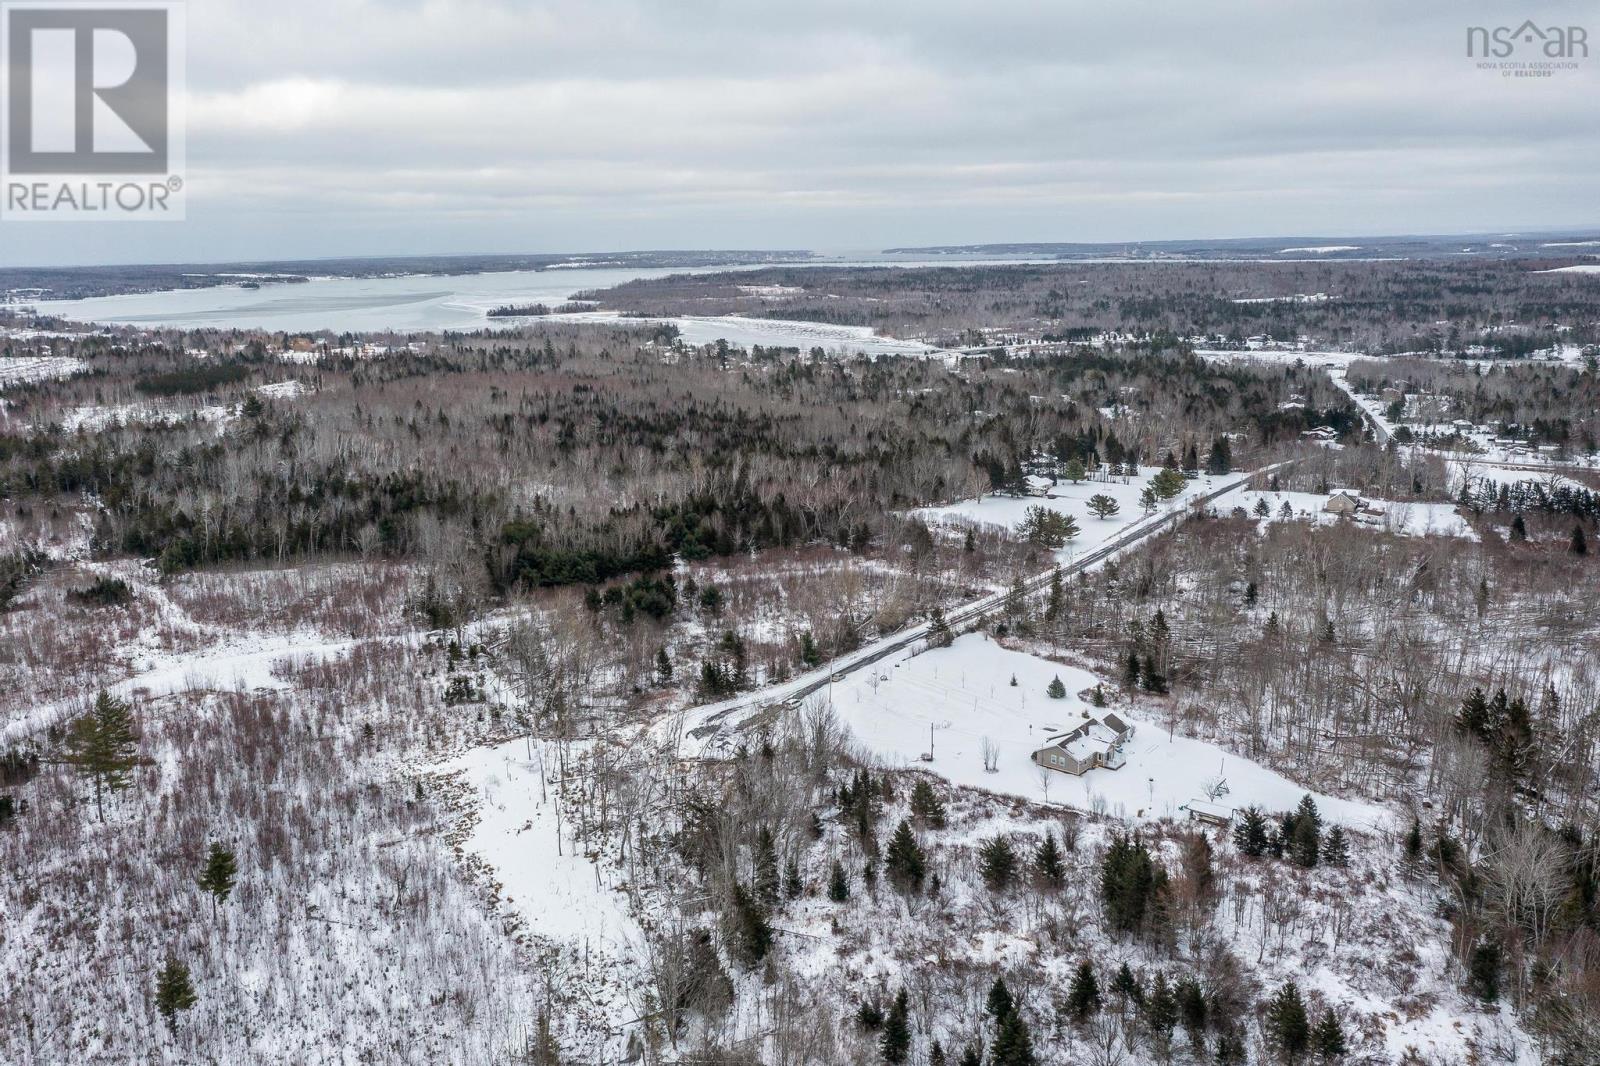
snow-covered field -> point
(964, 695)
(1070, 499)
(1403, 517)
(21, 370)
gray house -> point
(1095, 742)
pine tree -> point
(999, 1004)
(102, 745)
(896, 1040)
(1074, 471)
(838, 884)
(1083, 995)
(1056, 690)
(939, 635)
(1335, 849)
(1131, 670)
(1328, 1038)
(926, 806)
(1127, 985)
(810, 655)
(1580, 543)
(1287, 1024)
(1052, 610)
(1013, 1043)
(1161, 1009)
(997, 862)
(1131, 883)
(1230, 1050)
(768, 885)
(1483, 969)
(1519, 528)
(905, 860)
(792, 885)
(1048, 862)
(1193, 1011)
(972, 1055)
(1103, 506)
(1261, 508)
(1305, 842)
(1413, 842)
(219, 876)
(1473, 717)
(752, 934)
(663, 667)
(174, 990)
(936, 1054)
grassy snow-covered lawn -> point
(964, 694)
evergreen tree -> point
(752, 934)
(1220, 461)
(1193, 1011)
(1519, 528)
(997, 862)
(174, 991)
(1473, 717)
(767, 881)
(219, 876)
(1288, 1027)
(1083, 995)
(896, 1039)
(663, 667)
(1152, 679)
(1074, 471)
(1126, 984)
(1335, 849)
(972, 1055)
(1048, 862)
(838, 884)
(1305, 842)
(939, 635)
(1483, 969)
(1230, 1050)
(792, 885)
(926, 806)
(1130, 884)
(936, 1054)
(1328, 1038)
(1013, 1043)
(1161, 1009)
(1052, 610)
(101, 744)
(1103, 506)
(1580, 543)
(999, 1004)
(906, 862)
(1261, 508)
(1131, 670)
(810, 655)
(1413, 842)
(1056, 690)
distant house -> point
(1344, 502)
(1095, 743)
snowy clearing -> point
(964, 695)
(1403, 517)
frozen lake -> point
(416, 303)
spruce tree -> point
(1048, 862)
(939, 635)
(1305, 841)
(810, 655)
(1161, 1009)
(1230, 1050)
(1193, 1011)
(1483, 969)
(997, 862)
(1126, 984)
(792, 885)
(1083, 995)
(1013, 1043)
(838, 884)
(219, 876)
(101, 744)
(926, 806)
(896, 1039)
(752, 934)
(1288, 1027)
(1413, 842)
(1250, 832)
(174, 991)
(1131, 670)
(1328, 1038)
(972, 1055)
(1580, 543)
(663, 667)
(905, 860)
(1335, 849)
(1056, 690)
(999, 1004)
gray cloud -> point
(356, 126)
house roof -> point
(1115, 723)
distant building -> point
(1208, 812)
(1344, 502)
(1095, 743)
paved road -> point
(714, 718)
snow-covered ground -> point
(20, 370)
(1404, 517)
(963, 695)
(1071, 499)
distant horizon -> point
(1590, 230)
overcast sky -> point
(344, 127)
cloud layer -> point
(356, 126)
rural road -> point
(704, 723)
